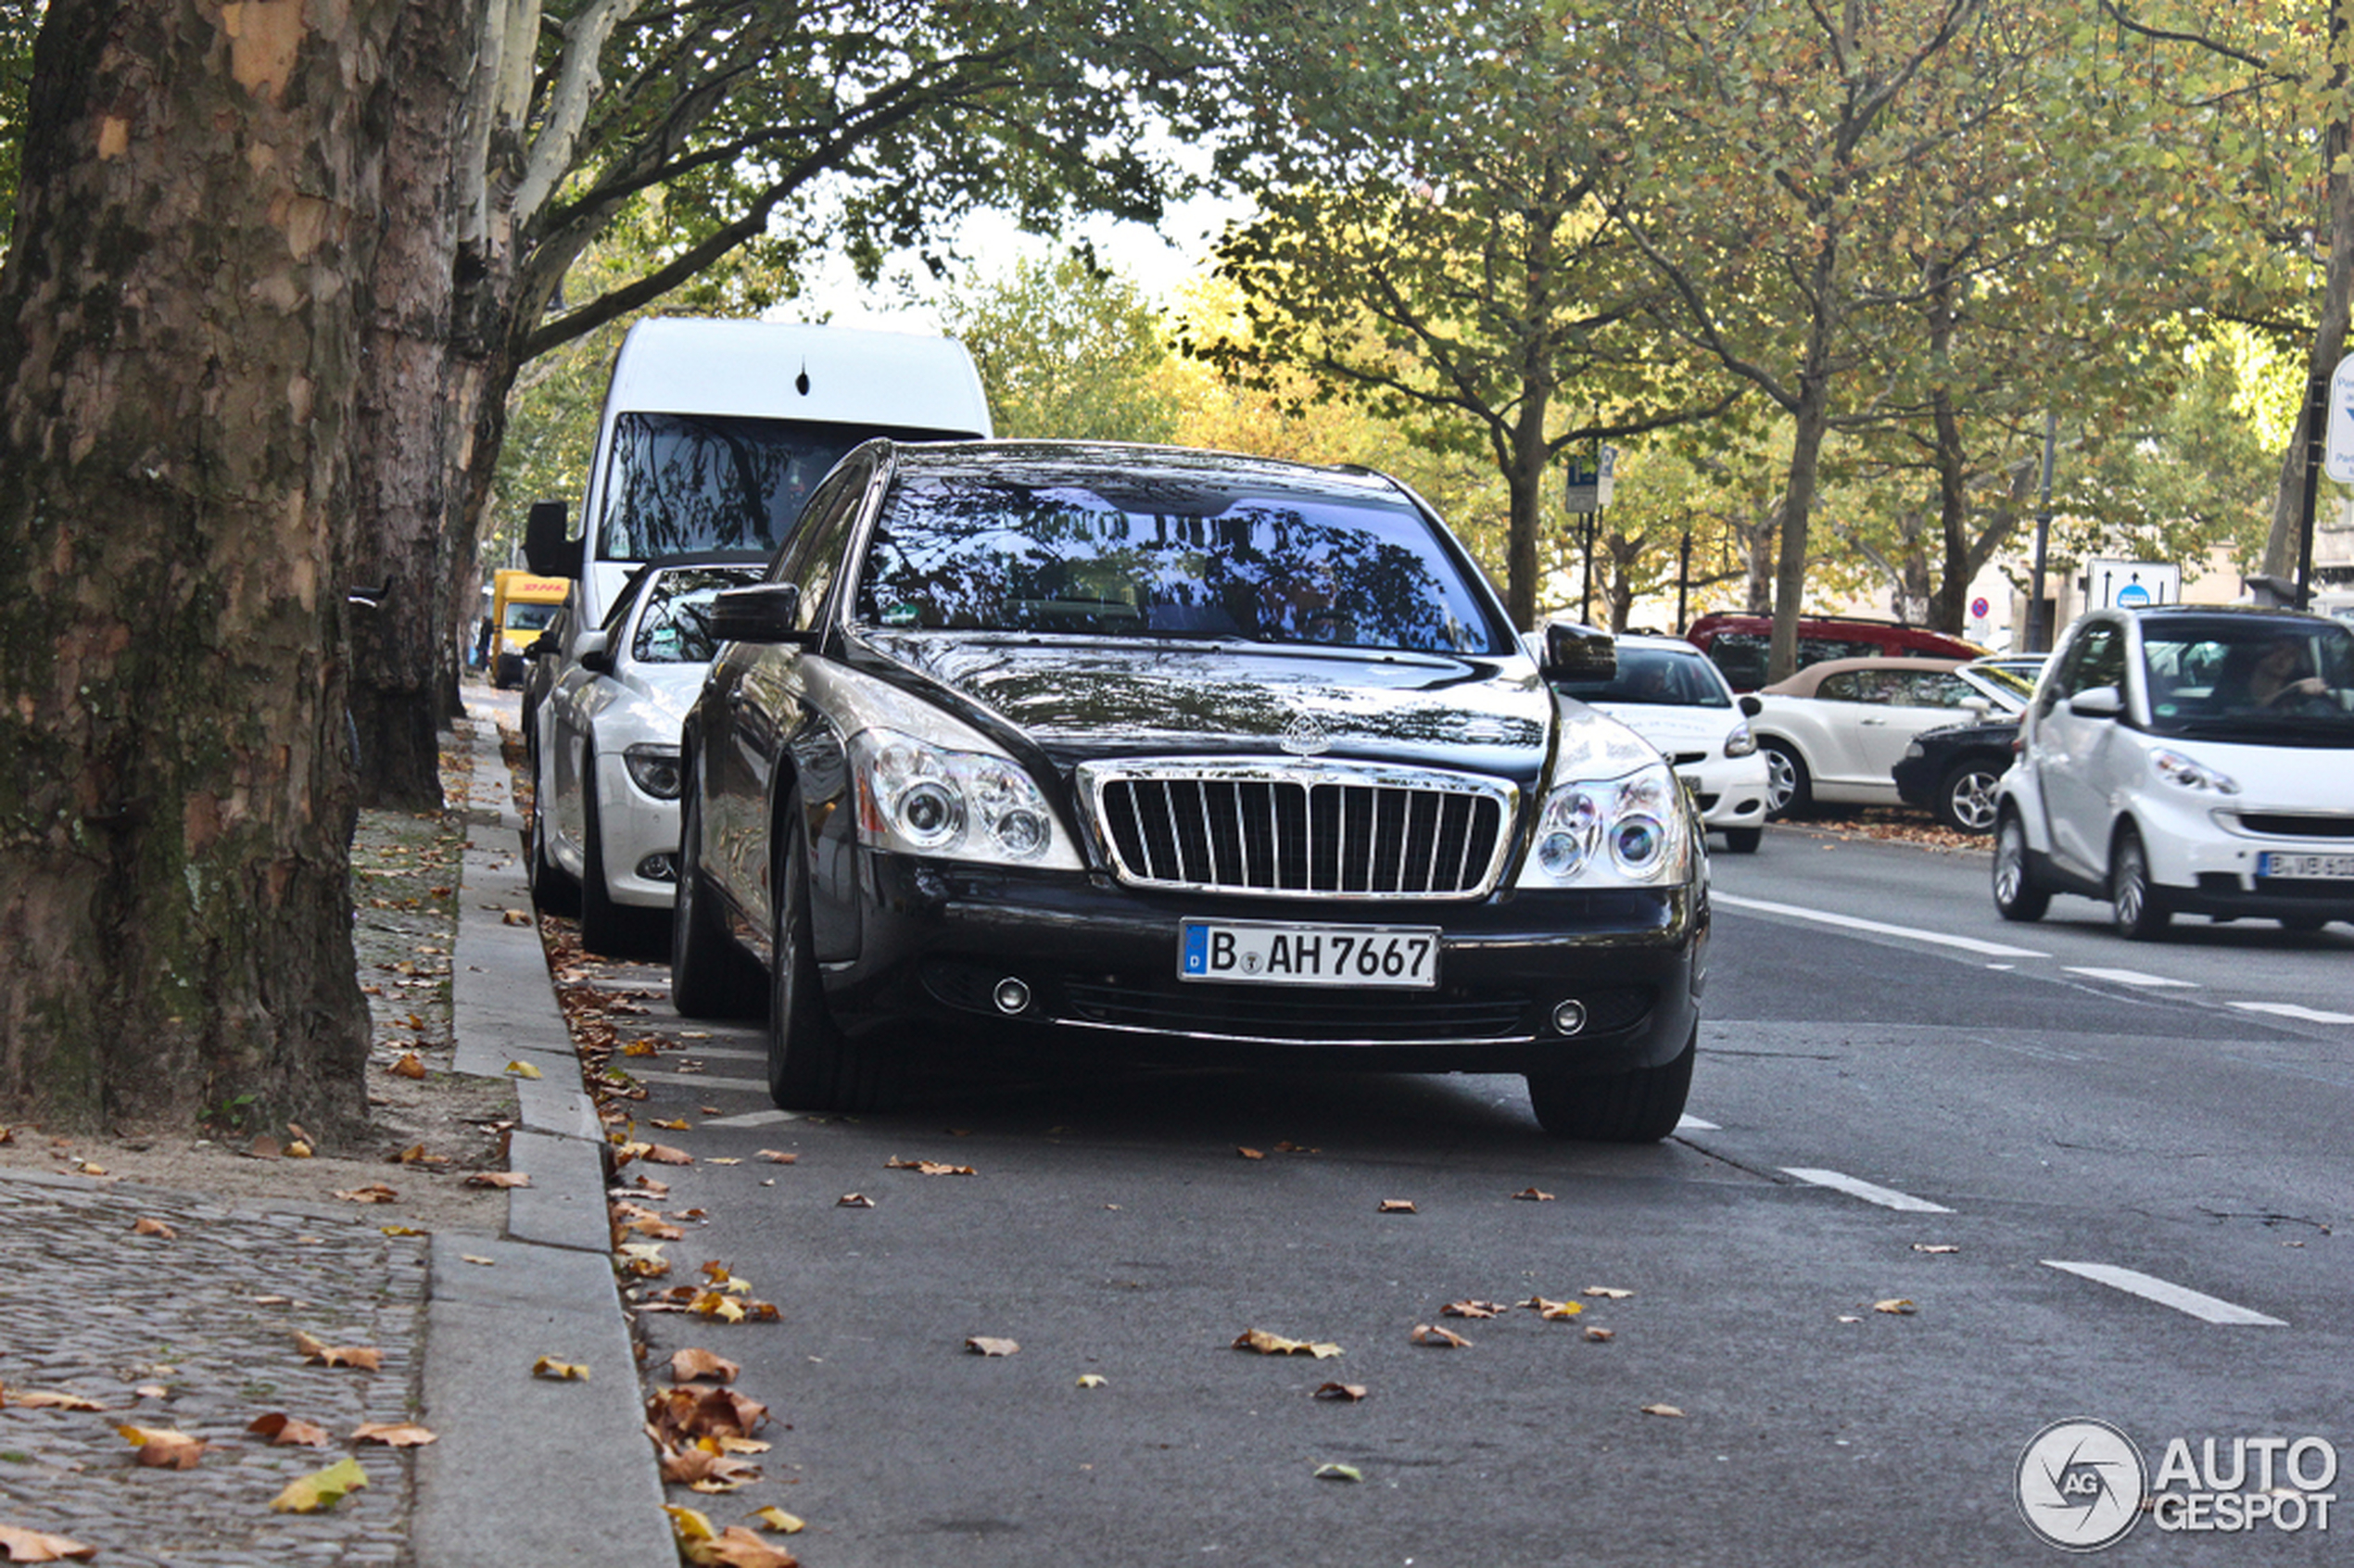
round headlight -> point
(1637, 841)
(930, 813)
(1565, 839)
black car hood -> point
(1077, 700)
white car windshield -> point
(2252, 680)
(1654, 676)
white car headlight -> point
(2188, 773)
(921, 799)
(1741, 742)
(1633, 829)
(653, 768)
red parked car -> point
(1737, 644)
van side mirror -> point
(762, 612)
(544, 541)
(2097, 701)
(1574, 651)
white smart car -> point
(2187, 758)
(604, 829)
(1666, 691)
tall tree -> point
(1067, 350)
(179, 350)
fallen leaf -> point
(478, 1259)
(282, 1428)
(689, 1366)
(1396, 1206)
(392, 1434)
(514, 916)
(46, 1399)
(1896, 1305)
(374, 1191)
(1443, 1339)
(1534, 1195)
(559, 1372)
(32, 1546)
(299, 1150)
(1471, 1309)
(321, 1489)
(408, 1064)
(1276, 1344)
(1663, 1410)
(403, 1230)
(929, 1167)
(663, 1154)
(853, 1200)
(721, 1160)
(365, 1358)
(152, 1391)
(706, 1468)
(778, 1157)
(154, 1228)
(1601, 1336)
(677, 1125)
(777, 1519)
(1092, 1380)
(1249, 1154)
(1340, 1472)
(983, 1346)
(738, 1548)
(498, 1178)
(1553, 1312)
(264, 1147)
(1349, 1392)
(1608, 1293)
(161, 1448)
(522, 1069)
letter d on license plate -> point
(1281, 953)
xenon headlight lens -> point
(653, 768)
(1601, 831)
(921, 799)
(2190, 773)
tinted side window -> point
(813, 554)
(2095, 657)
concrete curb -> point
(528, 1473)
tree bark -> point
(179, 346)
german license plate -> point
(1284, 952)
(2305, 868)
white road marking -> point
(2206, 1308)
(2128, 976)
(1694, 1124)
(2290, 1010)
(1887, 1197)
(699, 1081)
(1855, 923)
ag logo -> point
(2079, 1484)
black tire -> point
(2136, 908)
(710, 975)
(2016, 897)
(1790, 788)
(2303, 925)
(1966, 796)
(1743, 840)
(551, 886)
(1641, 1107)
(812, 1065)
(604, 925)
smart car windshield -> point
(2254, 679)
(1111, 556)
(1654, 676)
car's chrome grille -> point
(1310, 831)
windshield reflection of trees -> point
(974, 555)
(683, 485)
(675, 629)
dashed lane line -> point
(2149, 1287)
(1887, 1197)
(2129, 977)
(1857, 923)
(2293, 1010)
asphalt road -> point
(1982, 1121)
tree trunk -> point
(179, 343)
(1810, 419)
(2282, 546)
(408, 441)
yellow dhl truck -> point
(521, 606)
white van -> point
(715, 432)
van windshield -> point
(693, 484)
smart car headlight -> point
(2189, 773)
(916, 798)
(1602, 832)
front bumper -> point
(1098, 963)
(2206, 863)
(640, 839)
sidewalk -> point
(194, 1333)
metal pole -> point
(2317, 413)
(1586, 589)
(1683, 577)
(2039, 630)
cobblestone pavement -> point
(195, 1334)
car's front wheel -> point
(1641, 1107)
(812, 1065)
(1789, 790)
(2135, 905)
(2016, 895)
(710, 976)
(1966, 798)
(1743, 840)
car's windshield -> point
(2250, 679)
(1654, 676)
(2017, 682)
(700, 484)
(530, 617)
(1160, 559)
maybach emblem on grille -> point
(1305, 737)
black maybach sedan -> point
(1182, 756)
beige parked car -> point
(1835, 732)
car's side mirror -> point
(1978, 708)
(2097, 701)
(544, 543)
(1750, 705)
(544, 644)
(764, 613)
(1574, 651)
(594, 651)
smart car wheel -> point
(1641, 1107)
(710, 976)
(811, 1065)
(1965, 800)
(2135, 906)
(603, 923)
(1743, 840)
(2016, 895)
(1788, 791)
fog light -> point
(1012, 996)
(658, 868)
(1569, 1017)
